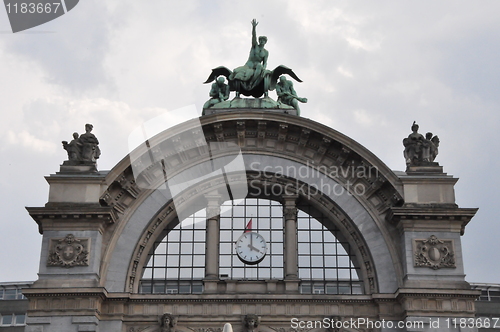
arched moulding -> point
(275, 149)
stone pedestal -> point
(238, 104)
(72, 223)
(430, 225)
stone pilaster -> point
(290, 244)
(212, 243)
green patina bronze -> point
(255, 80)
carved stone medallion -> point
(68, 252)
(434, 253)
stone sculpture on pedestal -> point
(420, 150)
(83, 150)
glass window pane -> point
(304, 249)
(7, 320)
(316, 248)
(304, 261)
(158, 273)
(198, 260)
(343, 261)
(303, 223)
(160, 260)
(318, 274)
(161, 248)
(186, 260)
(173, 261)
(330, 248)
(304, 274)
(146, 288)
(277, 261)
(198, 273)
(148, 273)
(276, 248)
(185, 273)
(199, 248)
(265, 274)
(173, 236)
(10, 294)
(343, 274)
(276, 236)
(184, 289)
(238, 273)
(173, 248)
(186, 248)
(187, 236)
(158, 288)
(172, 273)
(199, 236)
(317, 261)
(304, 237)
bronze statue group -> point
(253, 78)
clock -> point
(251, 248)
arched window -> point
(325, 263)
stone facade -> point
(391, 219)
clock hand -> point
(253, 248)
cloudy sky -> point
(370, 68)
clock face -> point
(251, 248)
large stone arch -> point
(117, 215)
(272, 140)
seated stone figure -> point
(83, 149)
(73, 148)
(420, 150)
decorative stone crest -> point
(434, 253)
(68, 252)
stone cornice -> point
(73, 216)
(432, 217)
(65, 292)
(437, 293)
